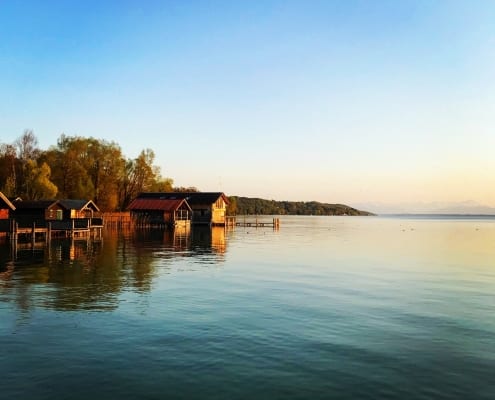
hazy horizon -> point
(363, 103)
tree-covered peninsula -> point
(256, 206)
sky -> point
(369, 103)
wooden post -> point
(13, 249)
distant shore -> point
(256, 206)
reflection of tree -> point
(86, 274)
(70, 275)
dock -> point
(251, 221)
(75, 229)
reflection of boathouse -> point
(210, 239)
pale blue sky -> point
(338, 101)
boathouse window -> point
(55, 214)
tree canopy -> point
(78, 168)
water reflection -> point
(92, 275)
(206, 239)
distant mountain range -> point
(468, 207)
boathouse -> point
(160, 212)
(36, 212)
(79, 209)
(208, 208)
(56, 217)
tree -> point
(232, 206)
(37, 181)
(163, 185)
(27, 146)
(8, 164)
(188, 189)
(87, 168)
(70, 174)
(32, 179)
(142, 176)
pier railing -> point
(251, 221)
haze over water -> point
(326, 307)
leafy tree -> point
(78, 168)
(232, 206)
(87, 168)
(163, 185)
(37, 181)
(141, 175)
(68, 161)
(188, 189)
(8, 166)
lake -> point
(325, 307)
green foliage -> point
(78, 168)
(140, 175)
(8, 167)
(255, 206)
(188, 189)
(37, 181)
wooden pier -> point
(55, 229)
(118, 220)
(251, 221)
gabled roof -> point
(8, 203)
(158, 204)
(191, 197)
(70, 204)
(44, 204)
(34, 204)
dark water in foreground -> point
(327, 307)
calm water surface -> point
(326, 307)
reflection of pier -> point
(255, 222)
(56, 249)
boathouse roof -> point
(6, 201)
(70, 204)
(157, 204)
(191, 197)
(34, 204)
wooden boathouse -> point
(208, 208)
(43, 219)
(160, 212)
(6, 212)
